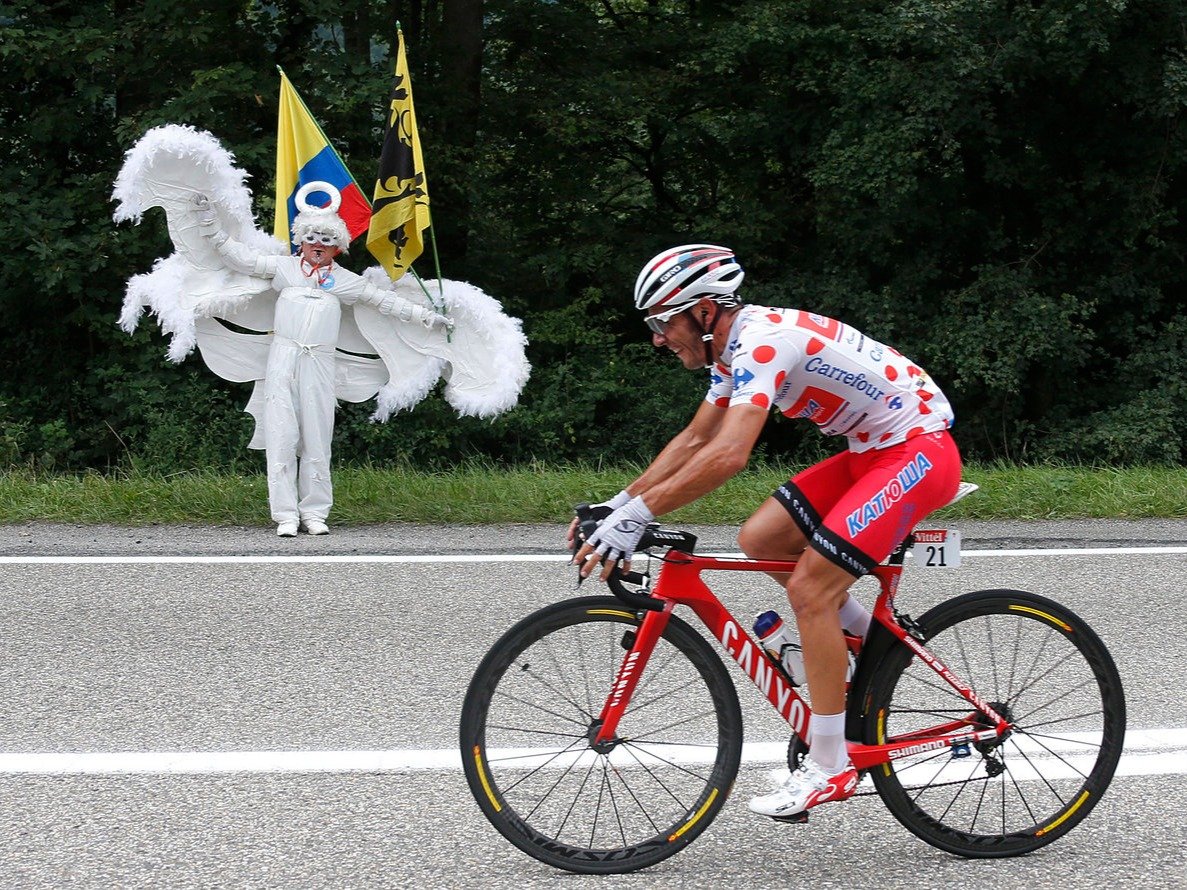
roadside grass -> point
(481, 493)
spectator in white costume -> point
(299, 400)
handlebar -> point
(588, 518)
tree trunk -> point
(461, 78)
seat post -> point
(900, 552)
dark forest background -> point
(995, 188)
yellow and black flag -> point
(400, 209)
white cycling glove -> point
(619, 533)
(615, 502)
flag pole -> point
(320, 130)
(439, 306)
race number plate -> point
(937, 548)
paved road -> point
(357, 656)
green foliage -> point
(994, 188)
(479, 492)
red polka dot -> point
(764, 353)
(884, 437)
(863, 437)
(923, 409)
(925, 395)
(891, 373)
(723, 402)
(814, 346)
(775, 318)
(912, 371)
(915, 431)
(779, 378)
(761, 400)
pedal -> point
(797, 819)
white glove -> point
(398, 307)
(619, 533)
(615, 502)
(437, 322)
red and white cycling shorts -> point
(855, 508)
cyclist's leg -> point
(780, 528)
(893, 489)
(816, 590)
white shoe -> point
(286, 529)
(805, 788)
(315, 527)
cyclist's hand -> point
(598, 511)
(615, 540)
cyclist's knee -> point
(752, 539)
(763, 538)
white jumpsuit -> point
(299, 384)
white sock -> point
(854, 617)
(827, 738)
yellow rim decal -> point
(1050, 618)
(618, 612)
(1057, 822)
(882, 739)
(687, 825)
(494, 802)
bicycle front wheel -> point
(530, 714)
(1042, 668)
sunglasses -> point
(659, 322)
(318, 238)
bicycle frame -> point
(679, 583)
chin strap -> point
(707, 333)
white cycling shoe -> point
(805, 788)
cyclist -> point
(844, 515)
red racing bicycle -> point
(603, 733)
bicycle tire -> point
(527, 720)
(1041, 667)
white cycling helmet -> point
(682, 275)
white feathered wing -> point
(200, 301)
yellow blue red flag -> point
(303, 155)
(400, 206)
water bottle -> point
(778, 643)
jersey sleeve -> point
(721, 386)
(761, 364)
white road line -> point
(501, 557)
(1147, 752)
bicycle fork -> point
(603, 732)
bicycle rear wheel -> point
(1043, 669)
(529, 716)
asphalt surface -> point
(364, 656)
(52, 539)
